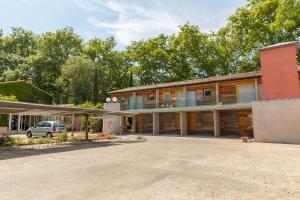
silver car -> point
(45, 128)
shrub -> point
(62, 137)
(6, 141)
(17, 141)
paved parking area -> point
(164, 167)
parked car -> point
(46, 128)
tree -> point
(76, 80)
(54, 49)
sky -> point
(126, 20)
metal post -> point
(29, 121)
(87, 127)
(19, 123)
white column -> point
(157, 98)
(217, 93)
(122, 124)
(29, 121)
(256, 89)
(155, 123)
(183, 123)
(217, 130)
(9, 122)
(19, 123)
(133, 124)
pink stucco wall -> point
(279, 72)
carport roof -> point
(15, 107)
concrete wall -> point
(277, 121)
(111, 123)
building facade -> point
(216, 106)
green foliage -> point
(3, 119)
(89, 104)
(25, 92)
(6, 141)
(75, 72)
(8, 98)
(76, 79)
(62, 137)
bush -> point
(62, 137)
(17, 141)
(6, 141)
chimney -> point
(29, 81)
(279, 71)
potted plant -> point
(244, 137)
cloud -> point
(130, 20)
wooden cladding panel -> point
(200, 122)
(234, 122)
(144, 123)
(169, 122)
(227, 93)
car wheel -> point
(49, 135)
(29, 134)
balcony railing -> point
(173, 103)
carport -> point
(33, 109)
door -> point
(130, 103)
(180, 99)
(139, 101)
(192, 100)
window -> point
(151, 97)
(167, 96)
(206, 92)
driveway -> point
(164, 167)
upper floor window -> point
(151, 97)
(206, 92)
(167, 96)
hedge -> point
(25, 92)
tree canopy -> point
(76, 71)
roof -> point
(10, 107)
(282, 44)
(214, 79)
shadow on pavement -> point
(16, 152)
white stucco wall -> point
(277, 121)
(111, 123)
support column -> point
(19, 123)
(86, 127)
(29, 123)
(155, 123)
(217, 130)
(256, 89)
(217, 93)
(183, 123)
(9, 122)
(134, 124)
(157, 98)
(122, 124)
